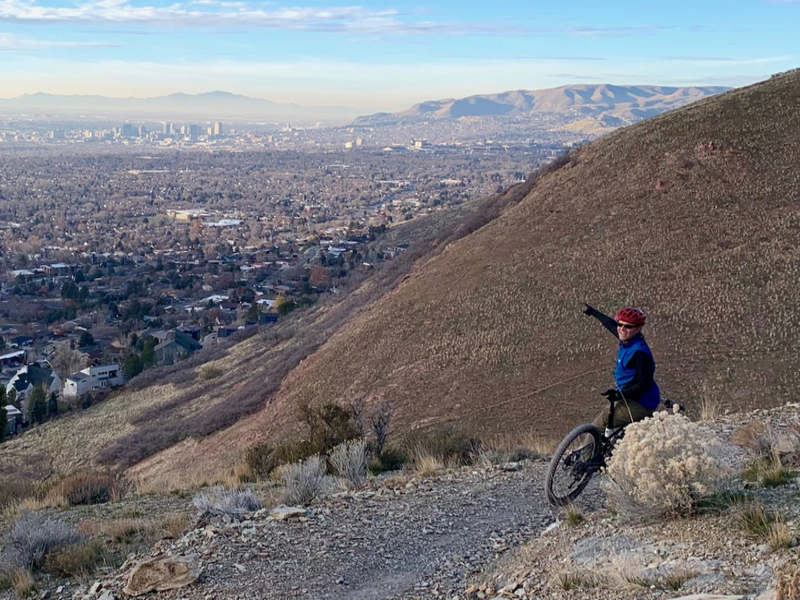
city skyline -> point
(376, 56)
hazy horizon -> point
(380, 56)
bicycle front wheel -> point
(573, 465)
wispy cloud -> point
(730, 60)
(354, 20)
(11, 42)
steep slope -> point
(692, 215)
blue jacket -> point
(626, 371)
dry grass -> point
(710, 408)
(629, 574)
(780, 536)
(170, 525)
(758, 522)
(573, 515)
(426, 465)
(767, 472)
(520, 445)
(574, 579)
(22, 583)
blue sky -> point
(386, 55)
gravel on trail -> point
(425, 538)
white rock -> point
(282, 513)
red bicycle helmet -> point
(631, 315)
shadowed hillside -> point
(692, 216)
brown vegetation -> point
(480, 322)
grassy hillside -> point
(693, 216)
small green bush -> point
(328, 426)
(767, 471)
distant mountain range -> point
(212, 106)
(587, 106)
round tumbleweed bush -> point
(664, 465)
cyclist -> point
(636, 390)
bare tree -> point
(356, 406)
(381, 419)
(67, 361)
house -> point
(12, 359)
(27, 376)
(57, 270)
(176, 347)
(14, 418)
(93, 378)
(23, 380)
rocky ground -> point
(474, 532)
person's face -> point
(626, 331)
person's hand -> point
(588, 310)
(611, 394)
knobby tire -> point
(560, 467)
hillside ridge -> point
(601, 102)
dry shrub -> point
(350, 461)
(83, 488)
(32, 538)
(79, 560)
(664, 465)
(15, 489)
(219, 501)
(304, 481)
(753, 436)
(261, 459)
(446, 442)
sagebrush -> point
(350, 461)
(219, 501)
(304, 481)
(32, 538)
(664, 465)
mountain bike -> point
(581, 455)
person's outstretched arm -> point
(605, 320)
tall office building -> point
(218, 128)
